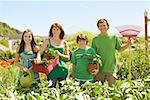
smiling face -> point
(103, 27)
(27, 37)
(82, 40)
(56, 31)
(82, 44)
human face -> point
(103, 27)
(27, 37)
(56, 31)
(82, 44)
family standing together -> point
(104, 46)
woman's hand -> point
(58, 53)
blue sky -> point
(74, 16)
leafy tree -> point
(4, 42)
(6, 30)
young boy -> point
(106, 45)
(80, 60)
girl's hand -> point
(37, 60)
(28, 70)
(24, 69)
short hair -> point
(61, 29)
(81, 36)
(101, 21)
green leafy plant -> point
(140, 63)
(51, 53)
(48, 57)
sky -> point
(73, 15)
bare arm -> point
(17, 62)
(41, 51)
(125, 46)
(36, 49)
(65, 56)
(73, 68)
(44, 46)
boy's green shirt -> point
(81, 63)
(106, 46)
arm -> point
(44, 46)
(38, 58)
(73, 67)
(125, 46)
(73, 61)
(93, 45)
(41, 51)
(17, 63)
(65, 56)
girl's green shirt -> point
(25, 56)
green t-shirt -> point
(106, 46)
(80, 58)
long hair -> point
(61, 36)
(22, 43)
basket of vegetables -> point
(49, 62)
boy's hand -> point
(95, 71)
(72, 77)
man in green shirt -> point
(106, 45)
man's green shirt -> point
(106, 46)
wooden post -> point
(146, 35)
(145, 19)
